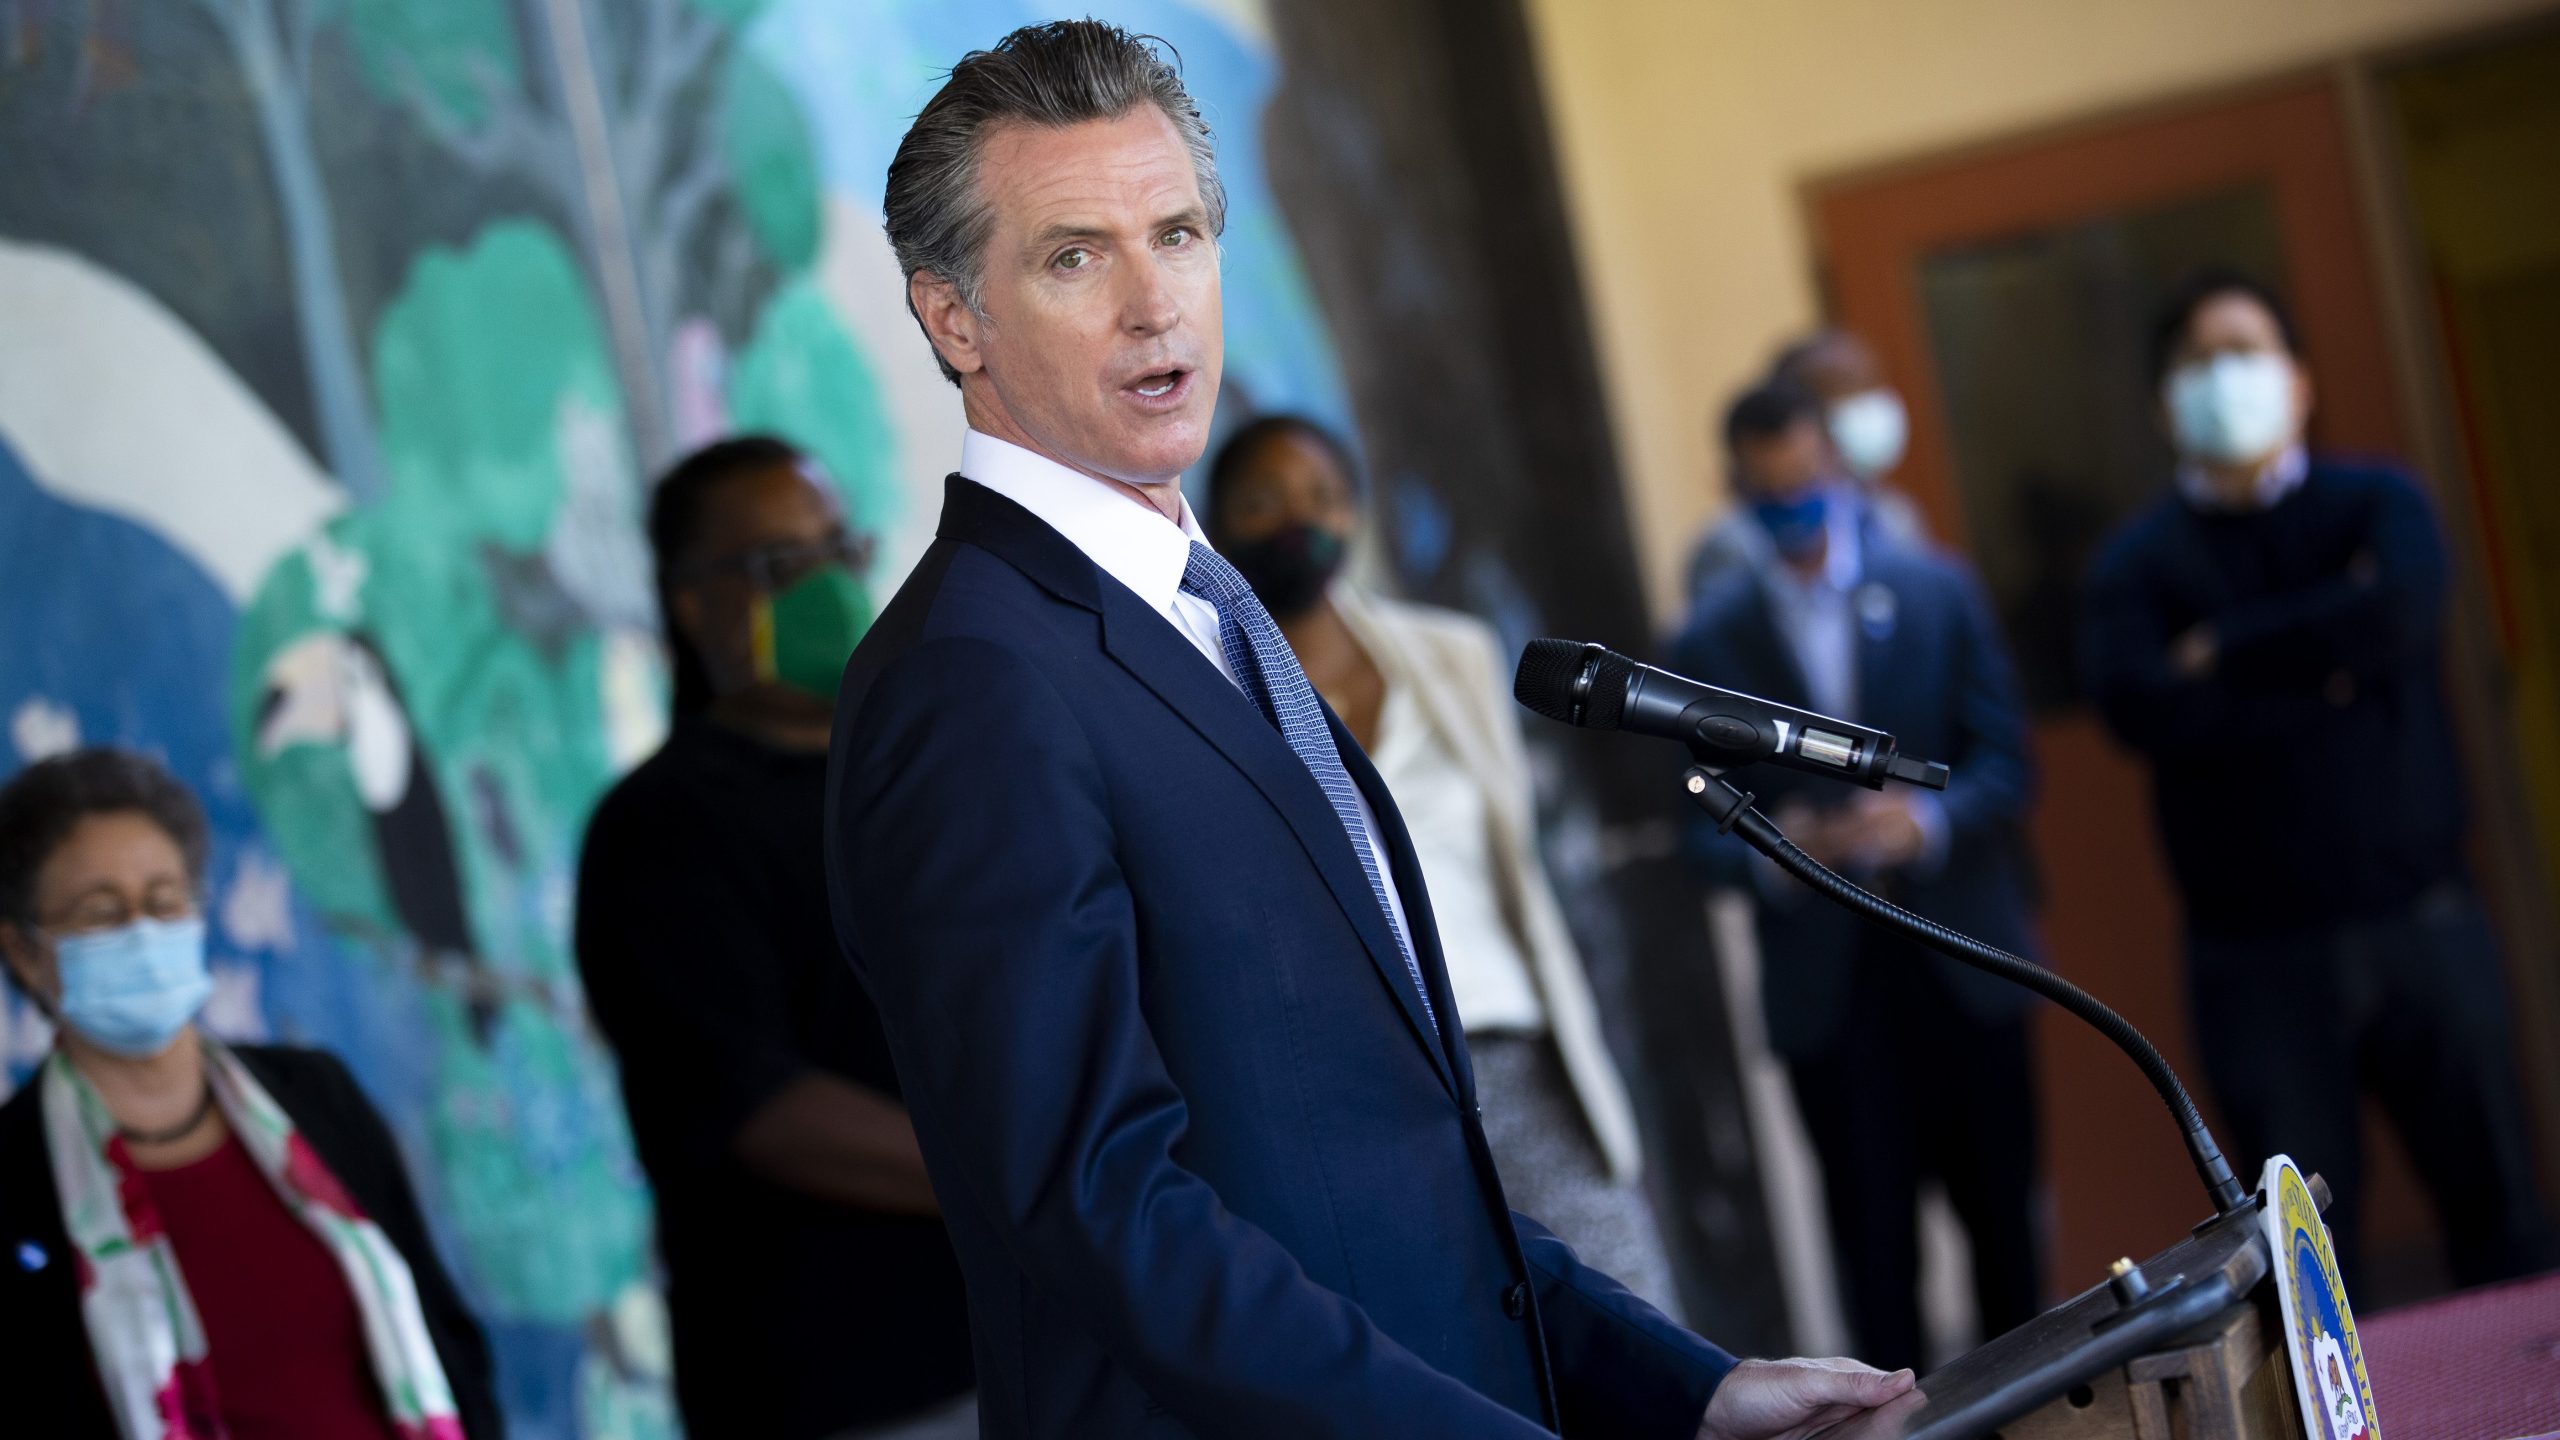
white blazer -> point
(1453, 666)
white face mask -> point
(2233, 408)
(1870, 428)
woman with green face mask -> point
(812, 1291)
(195, 1238)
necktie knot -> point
(1209, 576)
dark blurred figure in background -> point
(201, 1239)
(1425, 693)
(1869, 425)
(2270, 635)
(1866, 427)
(1907, 1066)
(810, 1285)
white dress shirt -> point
(1450, 818)
(2279, 477)
(1817, 613)
(1817, 616)
(1133, 543)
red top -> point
(282, 1330)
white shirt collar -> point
(1133, 543)
(2279, 477)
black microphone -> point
(1599, 689)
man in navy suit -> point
(1907, 1066)
(1147, 936)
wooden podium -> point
(2187, 1345)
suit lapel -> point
(1398, 856)
(1767, 652)
(1164, 660)
(1875, 608)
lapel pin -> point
(1875, 610)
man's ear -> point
(947, 320)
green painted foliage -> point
(450, 53)
(735, 12)
(801, 377)
(471, 367)
(766, 142)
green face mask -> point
(803, 635)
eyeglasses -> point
(773, 568)
(101, 910)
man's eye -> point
(1072, 259)
(1179, 235)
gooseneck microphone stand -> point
(1731, 808)
(2187, 1343)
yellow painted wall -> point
(1686, 127)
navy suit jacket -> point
(1933, 673)
(1208, 1168)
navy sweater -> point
(2310, 777)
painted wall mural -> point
(337, 341)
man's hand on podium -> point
(1786, 1399)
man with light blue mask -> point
(1864, 429)
(1907, 1068)
(2270, 636)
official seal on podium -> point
(2320, 1330)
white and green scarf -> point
(150, 1348)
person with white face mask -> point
(2270, 636)
(1866, 429)
(194, 1238)
(1869, 427)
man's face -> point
(759, 532)
(1783, 466)
(2237, 323)
(1100, 339)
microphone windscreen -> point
(1606, 705)
(1544, 681)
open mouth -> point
(1160, 385)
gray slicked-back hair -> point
(1057, 74)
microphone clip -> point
(1724, 801)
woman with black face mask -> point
(1424, 692)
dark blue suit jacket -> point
(1208, 1169)
(1933, 673)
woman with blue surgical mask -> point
(195, 1238)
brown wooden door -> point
(2007, 290)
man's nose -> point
(1151, 305)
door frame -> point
(2318, 139)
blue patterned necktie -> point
(1269, 672)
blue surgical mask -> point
(132, 989)
(1869, 430)
(2233, 408)
(1795, 526)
